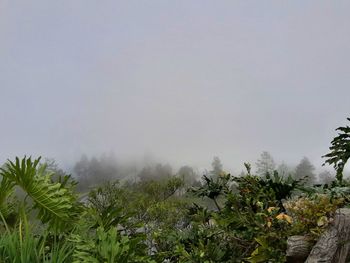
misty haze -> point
(173, 131)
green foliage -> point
(265, 165)
(339, 151)
(250, 226)
(152, 220)
(270, 190)
(56, 205)
(109, 205)
(311, 215)
(21, 245)
(109, 246)
(213, 187)
(251, 214)
(7, 201)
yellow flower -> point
(269, 224)
(283, 216)
(271, 208)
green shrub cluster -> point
(224, 219)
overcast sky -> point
(181, 80)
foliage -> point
(217, 167)
(251, 222)
(213, 187)
(156, 220)
(326, 177)
(21, 245)
(92, 171)
(188, 175)
(109, 246)
(305, 170)
(265, 165)
(56, 204)
(339, 151)
(271, 190)
(152, 221)
(312, 214)
(7, 201)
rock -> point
(333, 246)
(298, 249)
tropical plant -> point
(109, 246)
(21, 245)
(339, 151)
(57, 205)
(213, 187)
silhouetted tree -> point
(81, 171)
(96, 171)
(155, 172)
(188, 174)
(326, 177)
(265, 165)
(284, 170)
(305, 169)
(216, 167)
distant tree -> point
(155, 172)
(81, 171)
(284, 170)
(265, 165)
(52, 166)
(163, 170)
(109, 167)
(305, 169)
(217, 167)
(188, 174)
(96, 171)
(326, 177)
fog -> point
(176, 82)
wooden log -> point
(298, 249)
(334, 244)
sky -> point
(181, 81)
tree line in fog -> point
(97, 170)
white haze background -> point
(181, 81)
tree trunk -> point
(333, 245)
(298, 249)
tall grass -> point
(22, 245)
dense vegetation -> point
(222, 218)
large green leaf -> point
(56, 205)
(6, 191)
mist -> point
(173, 82)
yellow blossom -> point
(283, 216)
(271, 208)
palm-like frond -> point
(6, 190)
(339, 151)
(55, 204)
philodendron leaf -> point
(57, 206)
